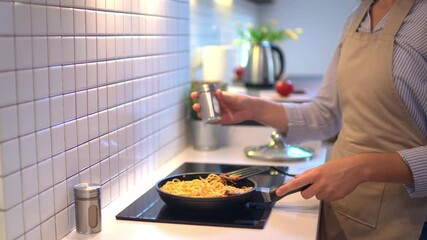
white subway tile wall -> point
(90, 91)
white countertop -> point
(291, 218)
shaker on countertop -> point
(88, 208)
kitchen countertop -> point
(291, 218)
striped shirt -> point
(321, 118)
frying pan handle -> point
(275, 198)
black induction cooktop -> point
(149, 207)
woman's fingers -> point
(219, 94)
(311, 191)
(196, 107)
(194, 95)
(295, 184)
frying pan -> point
(216, 203)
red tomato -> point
(239, 71)
(284, 87)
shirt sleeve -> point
(416, 159)
(321, 118)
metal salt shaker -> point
(88, 208)
(210, 109)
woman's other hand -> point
(337, 178)
(235, 108)
(331, 181)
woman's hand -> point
(331, 181)
(235, 108)
(337, 178)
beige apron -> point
(374, 120)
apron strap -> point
(359, 15)
(397, 14)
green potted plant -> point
(265, 32)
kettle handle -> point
(282, 60)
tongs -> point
(250, 171)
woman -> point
(374, 185)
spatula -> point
(244, 172)
(251, 171)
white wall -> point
(90, 91)
(212, 23)
(322, 22)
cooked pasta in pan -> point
(211, 186)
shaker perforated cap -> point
(86, 190)
(206, 88)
